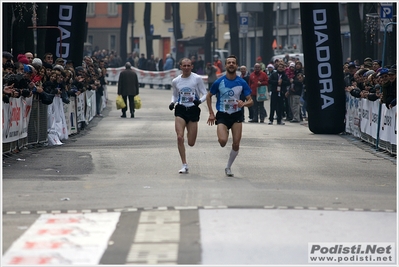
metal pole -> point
(277, 25)
(132, 27)
(379, 107)
(214, 29)
(50, 27)
(255, 36)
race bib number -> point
(187, 97)
(231, 105)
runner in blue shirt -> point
(228, 89)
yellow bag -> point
(120, 103)
(137, 102)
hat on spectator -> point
(7, 55)
(259, 58)
(27, 68)
(270, 66)
(382, 72)
(292, 64)
(368, 64)
(59, 60)
(47, 65)
(368, 59)
(79, 68)
(8, 65)
(23, 59)
(368, 73)
(392, 71)
(379, 62)
(351, 65)
(58, 67)
(361, 72)
(37, 61)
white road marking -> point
(70, 239)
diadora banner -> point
(324, 81)
(71, 21)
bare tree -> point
(268, 38)
(123, 32)
(356, 30)
(208, 33)
(147, 25)
(7, 22)
(22, 37)
(41, 12)
(233, 27)
(176, 28)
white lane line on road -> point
(193, 208)
(157, 238)
(186, 208)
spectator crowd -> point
(45, 78)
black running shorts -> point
(228, 119)
(188, 113)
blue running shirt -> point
(228, 93)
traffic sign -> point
(386, 11)
(244, 22)
(386, 15)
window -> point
(112, 42)
(201, 11)
(112, 9)
(168, 11)
(294, 17)
(90, 10)
(283, 17)
(90, 39)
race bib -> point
(231, 105)
(187, 97)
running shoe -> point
(228, 172)
(184, 169)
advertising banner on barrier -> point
(70, 116)
(80, 107)
(362, 118)
(90, 105)
(353, 115)
(388, 131)
(148, 77)
(16, 116)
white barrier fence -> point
(153, 77)
(365, 120)
(62, 119)
(144, 76)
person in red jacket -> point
(256, 79)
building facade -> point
(104, 20)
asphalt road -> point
(321, 187)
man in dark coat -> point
(278, 82)
(128, 87)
